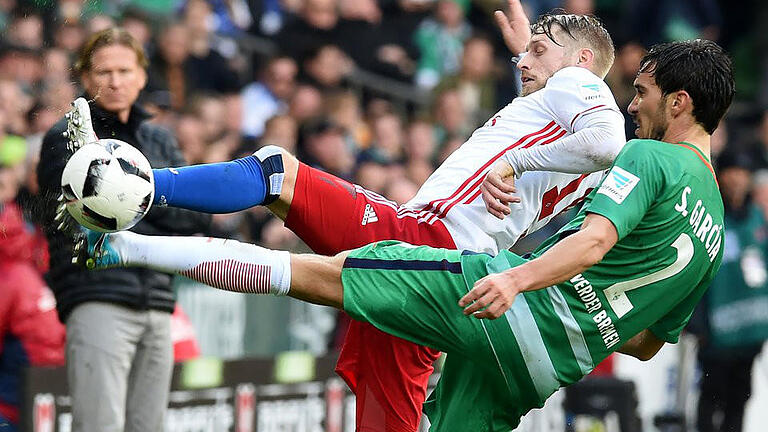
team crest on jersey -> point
(590, 91)
(618, 184)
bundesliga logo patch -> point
(618, 184)
(590, 91)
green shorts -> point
(412, 292)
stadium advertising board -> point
(295, 392)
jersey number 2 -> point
(616, 293)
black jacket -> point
(136, 288)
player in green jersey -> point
(624, 275)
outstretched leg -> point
(226, 264)
(267, 177)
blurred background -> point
(379, 92)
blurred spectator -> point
(440, 41)
(419, 151)
(306, 103)
(281, 130)
(211, 110)
(327, 67)
(185, 63)
(474, 82)
(733, 324)
(375, 41)
(344, 109)
(372, 174)
(167, 69)
(138, 24)
(323, 147)
(69, 36)
(313, 27)
(30, 332)
(621, 77)
(449, 144)
(760, 191)
(401, 190)
(21, 65)
(98, 23)
(208, 51)
(450, 116)
(579, 7)
(119, 353)
(654, 21)
(230, 17)
(14, 104)
(268, 96)
(25, 29)
(158, 106)
(56, 65)
(190, 134)
(387, 144)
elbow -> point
(607, 144)
(596, 251)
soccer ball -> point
(108, 185)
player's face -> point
(115, 78)
(648, 108)
(543, 59)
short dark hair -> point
(583, 28)
(701, 68)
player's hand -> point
(498, 189)
(515, 27)
(490, 297)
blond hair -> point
(108, 37)
(583, 28)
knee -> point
(289, 160)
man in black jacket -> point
(119, 351)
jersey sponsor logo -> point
(618, 184)
(369, 215)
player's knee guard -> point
(271, 160)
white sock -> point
(220, 263)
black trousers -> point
(726, 385)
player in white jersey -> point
(571, 126)
(566, 120)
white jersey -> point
(573, 99)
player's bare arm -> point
(643, 346)
(493, 295)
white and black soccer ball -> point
(108, 185)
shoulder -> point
(643, 148)
(581, 81)
(650, 157)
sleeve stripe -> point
(584, 112)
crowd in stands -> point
(228, 76)
(378, 92)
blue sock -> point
(223, 187)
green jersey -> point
(664, 201)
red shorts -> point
(387, 374)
